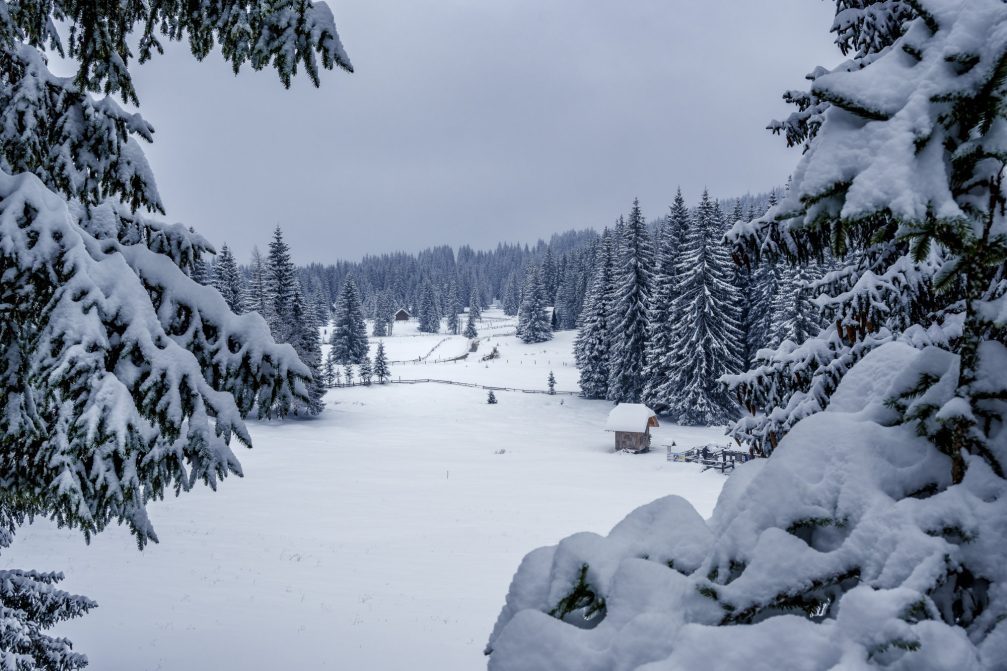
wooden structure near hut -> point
(402, 315)
(631, 423)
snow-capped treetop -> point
(634, 417)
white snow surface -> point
(382, 535)
(629, 417)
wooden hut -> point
(402, 315)
(631, 423)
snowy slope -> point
(382, 535)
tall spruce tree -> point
(281, 286)
(591, 347)
(429, 316)
(381, 370)
(660, 362)
(257, 299)
(533, 317)
(628, 318)
(454, 307)
(228, 281)
(349, 330)
(475, 304)
(470, 327)
(120, 381)
(306, 341)
(705, 331)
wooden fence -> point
(471, 385)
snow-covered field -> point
(382, 535)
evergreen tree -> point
(228, 281)
(429, 317)
(670, 240)
(550, 275)
(366, 372)
(349, 330)
(320, 304)
(330, 372)
(348, 373)
(742, 278)
(591, 347)
(306, 341)
(552, 384)
(281, 285)
(381, 370)
(628, 319)
(470, 328)
(258, 292)
(453, 308)
(491, 398)
(512, 297)
(705, 331)
(380, 328)
(567, 308)
(533, 318)
(120, 381)
(475, 305)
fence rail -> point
(471, 385)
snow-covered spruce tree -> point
(306, 340)
(512, 297)
(533, 316)
(366, 372)
(874, 535)
(705, 335)
(281, 285)
(551, 383)
(475, 304)
(628, 324)
(330, 372)
(348, 374)
(257, 299)
(669, 241)
(429, 317)
(228, 281)
(381, 371)
(470, 327)
(320, 304)
(349, 330)
(591, 347)
(453, 309)
(121, 376)
(380, 328)
(491, 398)
(566, 309)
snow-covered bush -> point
(121, 377)
(875, 534)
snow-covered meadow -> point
(381, 535)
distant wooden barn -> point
(402, 315)
(631, 423)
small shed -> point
(402, 315)
(631, 423)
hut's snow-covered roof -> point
(633, 417)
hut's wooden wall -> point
(632, 442)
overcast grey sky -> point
(478, 121)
